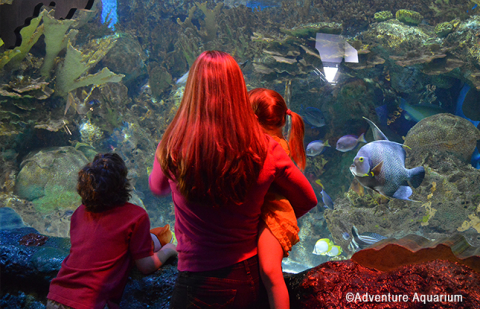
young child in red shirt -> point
(278, 227)
(107, 234)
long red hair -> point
(271, 111)
(214, 147)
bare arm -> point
(151, 263)
(157, 181)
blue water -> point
(110, 7)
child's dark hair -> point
(271, 111)
(103, 184)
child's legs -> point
(270, 255)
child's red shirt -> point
(104, 245)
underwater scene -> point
(389, 92)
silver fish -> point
(316, 147)
(349, 142)
(380, 165)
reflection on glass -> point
(333, 49)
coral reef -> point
(27, 88)
(409, 17)
(445, 133)
(445, 28)
(383, 16)
(449, 194)
(48, 179)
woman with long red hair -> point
(218, 164)
(278, 228)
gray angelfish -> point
(377, 133)
(380, 165)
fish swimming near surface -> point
(313, 116)
(316, 147)
(360, 242)
(380, 165)
(377, 133)
(349, 142)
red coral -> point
(33, 239)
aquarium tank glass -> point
(389, 92)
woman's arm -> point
(291, 183)
(157, 181)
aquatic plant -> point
(55, 39)
(71, 74)
(208, 29)
(188, 44)
(30, 35)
